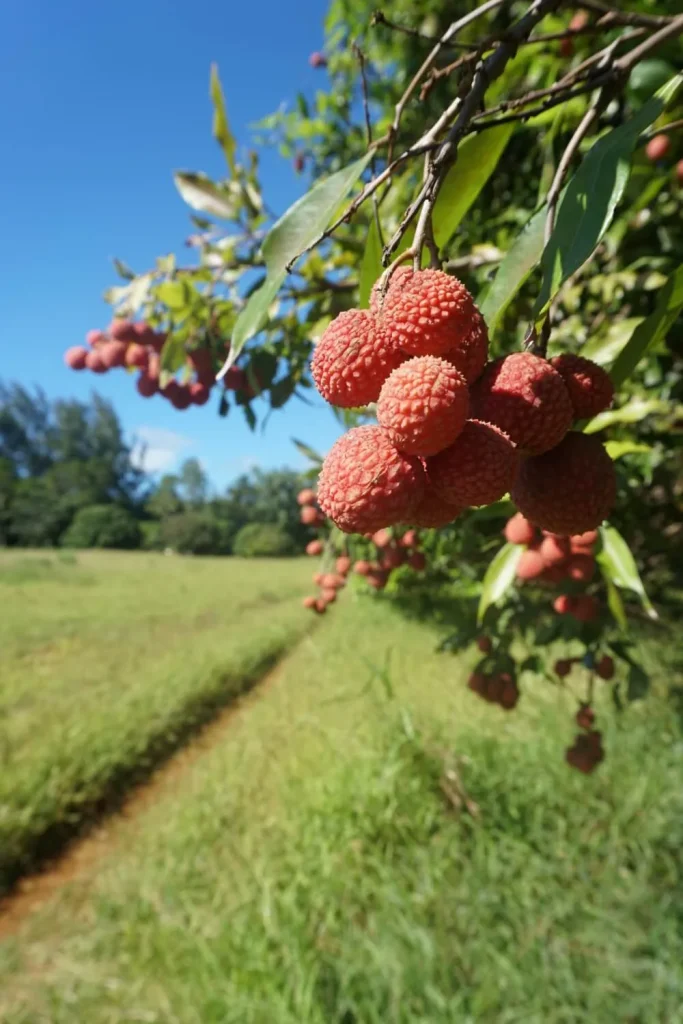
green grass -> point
(108, 660)
(309, 870)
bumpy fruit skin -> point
(477, 469)
(433, 512)
(353, 358)
(431, 313)
(519, 530)
(527, 398)
(568, 490)
(657, 148)
(399, 275)
(423, 405)
(366, 483)
(590, 389)
(530, 565)
(75, 357)
(470, 356)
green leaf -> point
(203, 194)
(249, 415)
(478, 156)
(123, 270)
(615, 604)
(221, 128)
(371, 265)
(633, 412)
(638, 683)
(176, 295)
(615, 449)
(648, 76)
(603, 349)
(252, 318)
(309, 216)
(651, 330)
(499, 577)
(517, 264)
(172, 355)
(308, 452)
(619, 565)
(281, 392)
(588, 203)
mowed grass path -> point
(107, 661)
(309, 869)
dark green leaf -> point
(651, 330)
(252, 318)
(638, 683)
(499, 577)
(262, 368)
(519, 261)
(309, 216)
(478, 156)
(308, 452)
(371, 265)
(123, 270)
(648, 76)
(281, 392)
(224, 407)
(205, 195)
(221, 128)
(249, 415)
(172, 354)
(619, 565)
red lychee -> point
(554, 550)
(202, 361)
(410, 539)
(509, 695)
(478, 682)
(235, 379)
(343, 565)
(590, 388)
(321, 606)
(563, 667)
(585, 717)
(317, 60)
(392, 558)
(306, 497)
(95, 362)
(314, 547)
(136, 355)
(477, 469)
(361, 567)
(309, 602)
(586, 608)
(123, 330)
(75, 357)
(397, 276)
(381, 538)
(581, 567)
(353, 359)
(530, 565)
(329, 595)
(582, 543)
(564, 604)
(113, 353)
(423, 405)
(317, 578)
(605, 667)
(519, 530)
(484, 644)
(417, 561)
(431, 313)
(95, 338)
(433, 512)
(567, 490)
(553, 574)
(527, 398)
(366, 483)
(199, 393)
(377, 578)
(332, 581)
(578, 21)
(657, 148)
(146, 386)
(179, 397)
(309, 515)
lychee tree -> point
(491, 185)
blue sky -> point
(101, 102)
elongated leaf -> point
(588, 203)
(309, 216)
(499, 577)
(172, 354)
(619, 565)
(252, 318)
(616, 605)
(632, 412)
(203, 194)
(651, 330)
(371, 265)
(478, 156)
(308, 452)
(604, 349)
(221, 128)
(615, 449)
(176, 295)
(519, 261)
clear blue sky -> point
(100, 103)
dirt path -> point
(79, 859)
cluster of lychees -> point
(495, 687)
(453, 430)
(136, 346)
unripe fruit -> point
(527, 398)
(423, 405)
(306, 497)
(123, 330)
(554, 550)
(353, 359)
(343, 565)
(484, 644)
(417, 561)
(567, 490)
(585, 717)
(136, 355)
(199, 393)
(530, 565)
(431, 313)
(328, 595)
(308, 515)
(75, 357)
(605, 667)
(361, 567)
(365, 483)
(314, 547)
(477, 469)
(519, 530)
(146, 386)
(309, 602)
(581, 568)
(433, 512)
(590, 388)
(657, 148)
(563, 667)
(381, 538)
(95, 338)
(95, 362)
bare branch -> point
(380, 18)
(626, 17)
(668, 31)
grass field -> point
(108, 659)
(309, 868)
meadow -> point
(368, 841)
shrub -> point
(102, 526)
(194, 533)
(263, 540)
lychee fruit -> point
(113, 354)
(377, 578)
(381, 538)
(317, 578)
(477, 469)
(417, 561)
(568, 490)
(353, 359)
(431, 313)
(314, 547)
(343, 565)
(554, 574)
(329, 595)
(235, 379)
(530, 565)
(484, 644)
(123, 330)
(605, 667)
(392, 558)
(509, 695)
(309, 515)
(332, 581)
(366, 483)
(361, 567)
(410, 539)
(199, 393)
(584, 542)
(423, 405)
(657, 148)
(179, 397)
(564, 604)
(581, 567)
(433, 512)
(554, 550)
(586, 608)
(95, 362)
(590, 388)
(75, 357)
(398, 275)
(477, 682)
(306, 497)
(95, 338)
(321, 606)
(309, 602)
(578, 21)
(146, 386)
(527, 398)
(136, 355)
(519, 530)
(563, 667)
(317, 60)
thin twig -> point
(627, 17)
(669, 30)
(380, 18)
(672, 126)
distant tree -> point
(263, 540)
(193, 483)
(103, 526)
(194, 533)
(164, 499)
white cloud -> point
(156, 449)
